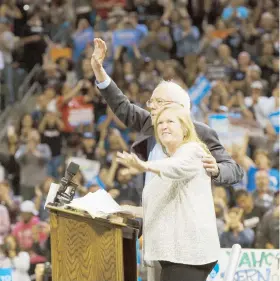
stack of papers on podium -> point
(97, 204)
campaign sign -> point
(89, 168)
(253, 265)
(125, 38)
(275, 121)
(81, 115)
(6, 274)
(220, 123)
(200, 89)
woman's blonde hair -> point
(188, 128)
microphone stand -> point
(67, 187)
(63, 197)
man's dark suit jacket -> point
(139, 119)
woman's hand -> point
(128, 209)
(132, 211)
(132, 161)
(211, 166)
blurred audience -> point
(232, 45)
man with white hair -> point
(223, 169)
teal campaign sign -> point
(5, 274)
(253, 265)
(200, 89)
(275, 121)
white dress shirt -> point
(179, 215)
(103, 85)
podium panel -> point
(86, 249)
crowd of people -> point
(234, 44)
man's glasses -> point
(159, 102)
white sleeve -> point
(103, 85)
(184, 165)
(22, 261)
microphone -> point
(71, 171)
(65, 196)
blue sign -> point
(275, 121)
(214, 272)
(126, 37)
(6, 274)
(219, 122)
(200, 89)
(80, 40)
(138, 258)
(235, 115)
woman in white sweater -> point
(178, 211)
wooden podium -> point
(87, 249)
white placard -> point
(89, 168)
(2, 63)
(253, 265)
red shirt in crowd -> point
(24, 235)
(103, 7)
(75, 112)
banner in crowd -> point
(89, 168)
(275, 121)
(109, 4)
(5, 274)
(2, 63)
(216, 72)
(228, 133)
(254, 265)
(220, 123)
(125, 37)
(81, 114)
(200, 89)
(223, 34)
(57, 52)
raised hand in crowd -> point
(116, 140)
(247, 114)
(238, 153)
(220, 88)
(111, 117)
(235, 232)
(118, 52)
(234, 222)
(34, 147)
(112, 172)
(73, 92)
(38, 197)
(10, 9)
(12, 140)
(100, 149)
(50, 118)
(6, 197)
